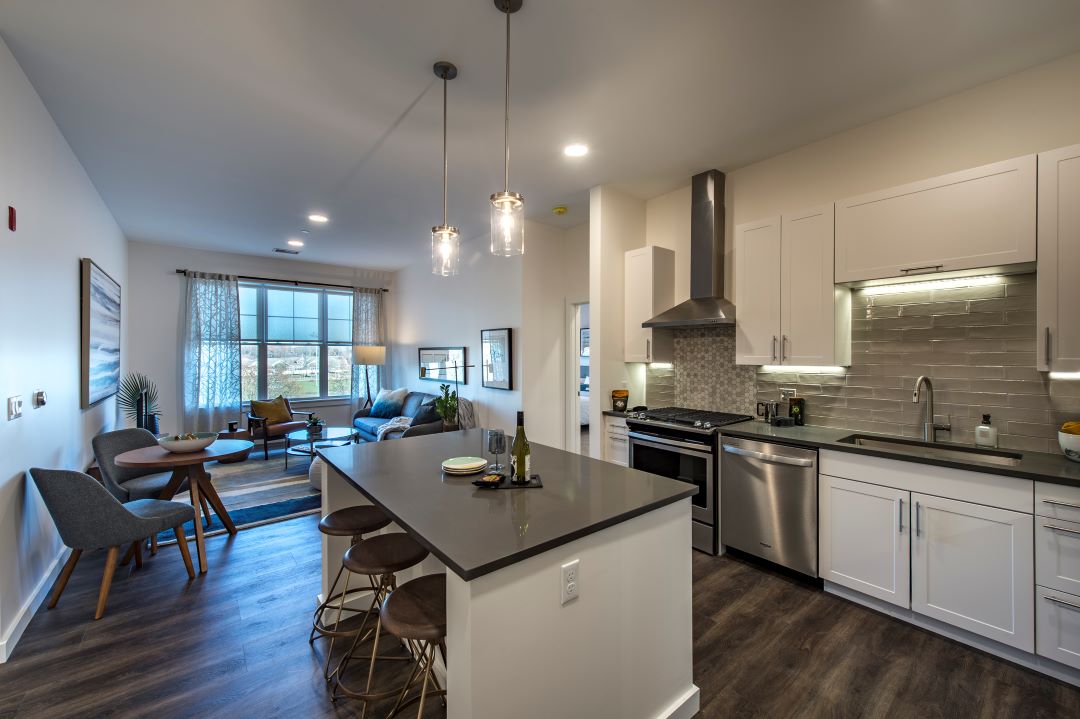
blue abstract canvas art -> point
(100, 334)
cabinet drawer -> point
(1057, 632)
(1058, 501)
(1057, 554)
(618, 428)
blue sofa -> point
(418, 405)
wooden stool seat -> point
(354, 521)
(417, 609)
(384, 554)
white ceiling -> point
(222, 124)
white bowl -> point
(180, 446)
(1070, 445)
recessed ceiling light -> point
(318, 218)
(576, 150)
(296, 243)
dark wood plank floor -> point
(234, 644)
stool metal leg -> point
(425, 666)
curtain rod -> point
(294, 283)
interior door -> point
(808, 319)
(973, 567)
(865, 538)
(757, 292)
(1058, 346)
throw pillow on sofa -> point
(274, 411)
(427, 414)
(388, 403)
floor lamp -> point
(368, 356)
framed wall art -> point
(497, 351)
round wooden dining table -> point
(189, 465)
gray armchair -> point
(89, 517)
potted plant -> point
(446, 407)
(314, 424)
(137, 396)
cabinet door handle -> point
(1061, 529)
(1055, 600)
(783, 345)
(1061, 504)
(918, 523)
(774, 348)
(648, 350)
(927, 268)
(900, 516)
(1047, 345)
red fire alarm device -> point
(11, 218)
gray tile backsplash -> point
(976, 343)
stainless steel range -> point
(682, 444)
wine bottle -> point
(520, 452)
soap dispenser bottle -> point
(986, 435)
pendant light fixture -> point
(445, 241)
(507, 208)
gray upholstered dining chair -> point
(128, 483)
(89, 517)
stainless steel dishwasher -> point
(769, 502)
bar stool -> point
(379, 557)
(415, 613)
(349, 522)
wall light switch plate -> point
(14, 407)
(571, 581)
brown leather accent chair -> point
(261, 429)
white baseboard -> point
(1012, 654)
(26, 612)
(685, 706)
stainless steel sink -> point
(955, 452)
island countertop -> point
(476, 531)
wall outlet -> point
(570, 585)
(14, 407)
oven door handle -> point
(776, 458)
(654, 439)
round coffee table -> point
(306, 443)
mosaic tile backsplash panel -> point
(976, 343)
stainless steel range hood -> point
(706, 305)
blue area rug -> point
(252, 516)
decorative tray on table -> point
(499, 481)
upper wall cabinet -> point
(984, 217)
(649, 286)
(788, 309)
(1059, 260)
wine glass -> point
(497, 446)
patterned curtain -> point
(368, 328)
(211, 347)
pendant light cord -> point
(506, 111)
(444, 162)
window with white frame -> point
(295, 342)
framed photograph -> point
(441, 364)
(497, 349)
(100, 364)
(584, 342)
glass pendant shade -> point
(445, 250)
(507, 224)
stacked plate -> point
(464, 465)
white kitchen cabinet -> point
(649, 289)
(1058, 626)
(616, 443)
(864, 538)
(1059, 258)
(1057, 501)
(978, 218)
(972, 566)
(789, 310)
(1057, 554)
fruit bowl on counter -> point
(185, 443)
(1069, 439)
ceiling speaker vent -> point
(284, 251)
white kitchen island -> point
(622, 648)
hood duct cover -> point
(706, 305)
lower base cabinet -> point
(616, 443)
(1058, 626)
(973, 567)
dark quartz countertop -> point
(1055, 468)
(477, 531)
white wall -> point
(61, 218)
(616, 224)
(667, 224)
(156, 315)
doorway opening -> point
(577, 378)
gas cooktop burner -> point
(689, 417)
